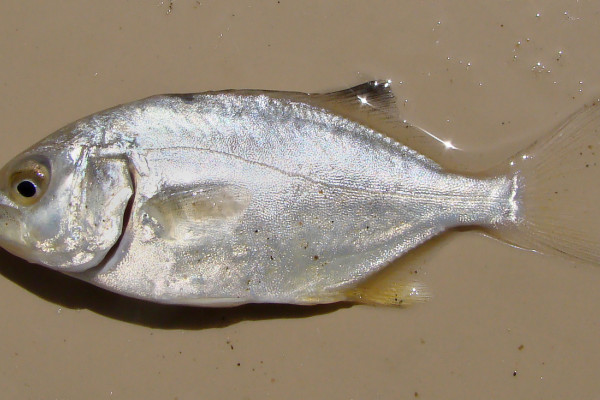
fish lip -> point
(13, 243)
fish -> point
(252, 196)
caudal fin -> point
(559, 190)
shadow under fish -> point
(76, 294)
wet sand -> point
(504, 323)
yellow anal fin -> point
(391, 287)
(395, 294)
(376, 291)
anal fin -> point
(390, 287)
(394, 294)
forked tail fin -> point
(558, 193)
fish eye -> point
(29, 182)
(26, 188)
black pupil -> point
(26, 189)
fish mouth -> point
(11, 229)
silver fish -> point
(225, 198)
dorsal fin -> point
(364, 103)
(373, 104)
(369, 100)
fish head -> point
(62, 205)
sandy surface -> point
(489, 76)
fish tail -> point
(557, 182)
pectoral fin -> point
(187, 213)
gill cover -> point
(84, 214)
